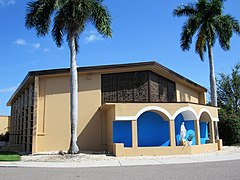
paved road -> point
(225, 170)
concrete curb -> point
(123, 162)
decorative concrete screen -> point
(152, 130)
(122, 132)
(137, 87)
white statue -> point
(183, 132)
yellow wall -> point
(185, 94)
(119, 150)
(4, 124)
(52, 113)
(53, 119)
(94, 126)
(169, 111)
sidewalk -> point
(117, 162)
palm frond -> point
(101, 18)
(201, 43)
(185, 10)
(60, 3)
(59, 27)
(216, 7)
(188, 30)
(39, 16)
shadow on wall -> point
(184, 97)
(152, 130)
(94, 135)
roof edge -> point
(97, 68)
(26, 78)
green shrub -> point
(229, 129)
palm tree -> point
(206, 19)
(69, 18)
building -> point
(126, 109)
(4, 124)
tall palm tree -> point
(69, 18)
(207, 21)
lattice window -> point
(125, 86)
(142, 86)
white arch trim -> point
(145, 109)
(208, 112)
(185, 112)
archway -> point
(152, 130)
(205, 128)
(187, 116)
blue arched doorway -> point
(152, 130)
(189, 125)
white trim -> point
(145, 109)
(187, 112)
(153, 108)
(186, 109)
(215, 119)
(204, 110)
(124, 118)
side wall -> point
(53, 117)
(186, 94)
(4, 124)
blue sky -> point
(143, 30)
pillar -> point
(172, 133)
(197, 132)
(134, 134)
(212, 132)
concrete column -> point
(212, 133)
(134, 134)
(172, 133)
(197, 132)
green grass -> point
(9, 156)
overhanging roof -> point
(103, 69)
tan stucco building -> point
(4, 124)
(127, 109)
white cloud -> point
(23, 42)
(36, 45)
(20, 42)
(46, 50)
(7, 2)
(10, 89)
(92, 36)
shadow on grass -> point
(9, 156)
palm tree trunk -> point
(213, 84)
(73, 97)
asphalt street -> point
(224, 170)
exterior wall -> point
(131, 110)
(42, 123)
(119, 150)
(22, 117)
(185, 94)
(4, 124)
(192, 114)
(53, 117)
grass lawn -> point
(9, 156)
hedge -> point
(229, 130)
